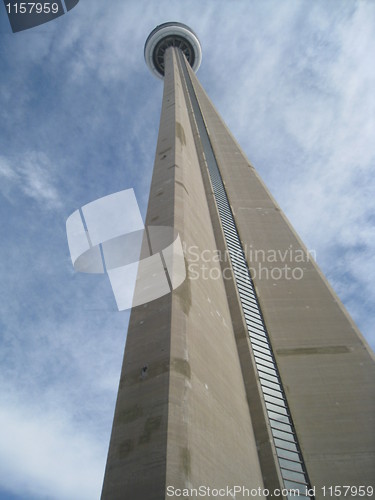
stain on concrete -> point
(183, 185)
(165, 151)
(153, 370)
(125, 448)
(185, 461)
(181, 366)
(180, 133)
(151, 425)
(332, 349)
(130, 415)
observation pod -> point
(171, 34)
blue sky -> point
(79, 113)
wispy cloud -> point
(41, 453)
(31, 174)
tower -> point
(250, 374)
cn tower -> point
(250, 375)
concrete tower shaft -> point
(241, 376)
(182, 416)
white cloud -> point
(43, 454)
(58, 385)
(32, 174)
